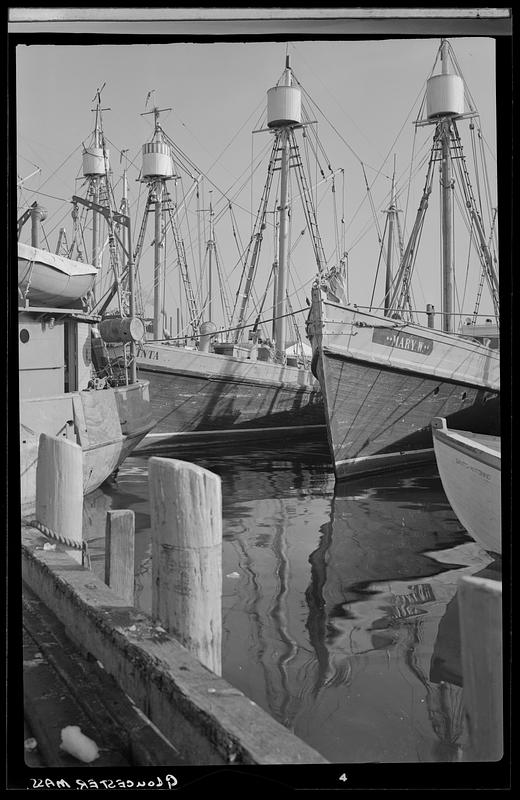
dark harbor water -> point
(339, 604)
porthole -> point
(24, 335)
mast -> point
(211, 245)
(284, 111)
(446, 212)
(156, 170)
(445, 102)
(392, 210)
(158, 264)
(95, 167)
(281, 283)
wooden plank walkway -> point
(63, 686)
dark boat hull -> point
(195, 394)
(380, 398)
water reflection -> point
(339, 605)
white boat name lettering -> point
(403, 341)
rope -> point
(72, 543)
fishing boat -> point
(245, 381)
(68, 384)
(469, 468)
(384, 373)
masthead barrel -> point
(157, 161)
(284, 102)
(444, 96)
(95, 161)
(444, 92)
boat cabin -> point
(487, 333)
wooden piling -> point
(59, 491)
(119, 553)
(480, 610)
(186, 517)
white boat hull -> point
(47, 279)
(108, 425)
(469, 468)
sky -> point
(367, 94)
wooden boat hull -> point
(108, 424)
(383, 382)
(470, 471)
(196, 394)
(47, 279)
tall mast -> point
(157, 168)
(95, 167)
(446, 211)
(211, 245)
(445, 102)
(392, 210)
(284, 112)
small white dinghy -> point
(48, 279)
(469, 468)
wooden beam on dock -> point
(119, 553)
(206, 719)
(480, 610)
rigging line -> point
(410, 178)
(52, 196)
(242, 327)
(475, 167)
(371, 200)
(19, 155)
(381, 241)
(399, 134)
(349, 147)
(490, 207)
(225, 196)
(247, 179)
(466, 277)
(130, 161)
(467, 92)
(61, 165)
(235, 136)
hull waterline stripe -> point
(395, 454)
(228, 431)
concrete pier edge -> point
(206, 719)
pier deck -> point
(63, 686)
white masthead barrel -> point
(444, 96)
(157, 160)
(284, 103)
(444, 92)
(95, 161)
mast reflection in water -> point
(339, 603)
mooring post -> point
(119, 553)
(480, 611)
(186, 521)
(59, 492)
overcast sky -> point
(367, 90)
